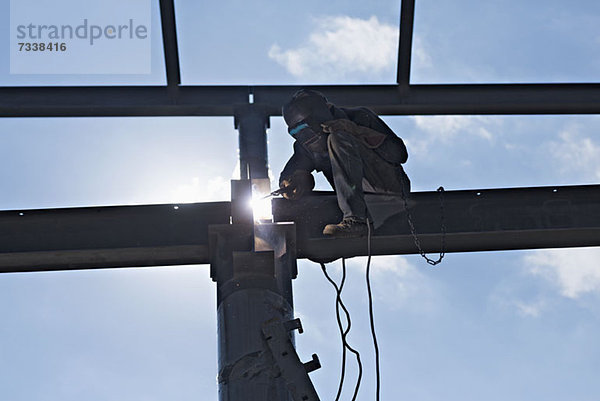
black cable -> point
(371, 315)
(354, 351)
(340, 303)
(340, 327)
(344, 333)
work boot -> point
(349, 227)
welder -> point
(355, 150)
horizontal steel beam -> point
(225, 100)
(119, 101)
(103, 237)
(476, 220)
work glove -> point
(341, 124)
(369, 137)
(297, 185)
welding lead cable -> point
(340, 327)
(355, 352)
(371, 314)
(344, 333)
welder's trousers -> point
(357, 169)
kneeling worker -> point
(355, 150)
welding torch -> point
(280, 191)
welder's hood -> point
(307, 106)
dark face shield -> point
(313, 141)
(293, 131)
(310, 108)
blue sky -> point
(493, 325)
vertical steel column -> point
(253, 269)
(252, 122)
(407, 19)
(169, 34)
(253, 288)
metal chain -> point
(413, 231)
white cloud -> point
(197, 190)
(342, 47)
(574, 272)
(507, 299)
(400, 285)
(576, 153)
(445, 129)
(420, 57)
(518, 294)
(530, 309)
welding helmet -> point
(306, 109)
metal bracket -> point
(294, 372)
(312, 365)
(294, 325)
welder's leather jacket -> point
(311, 151)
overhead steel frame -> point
(402, 98)
(253, 267)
